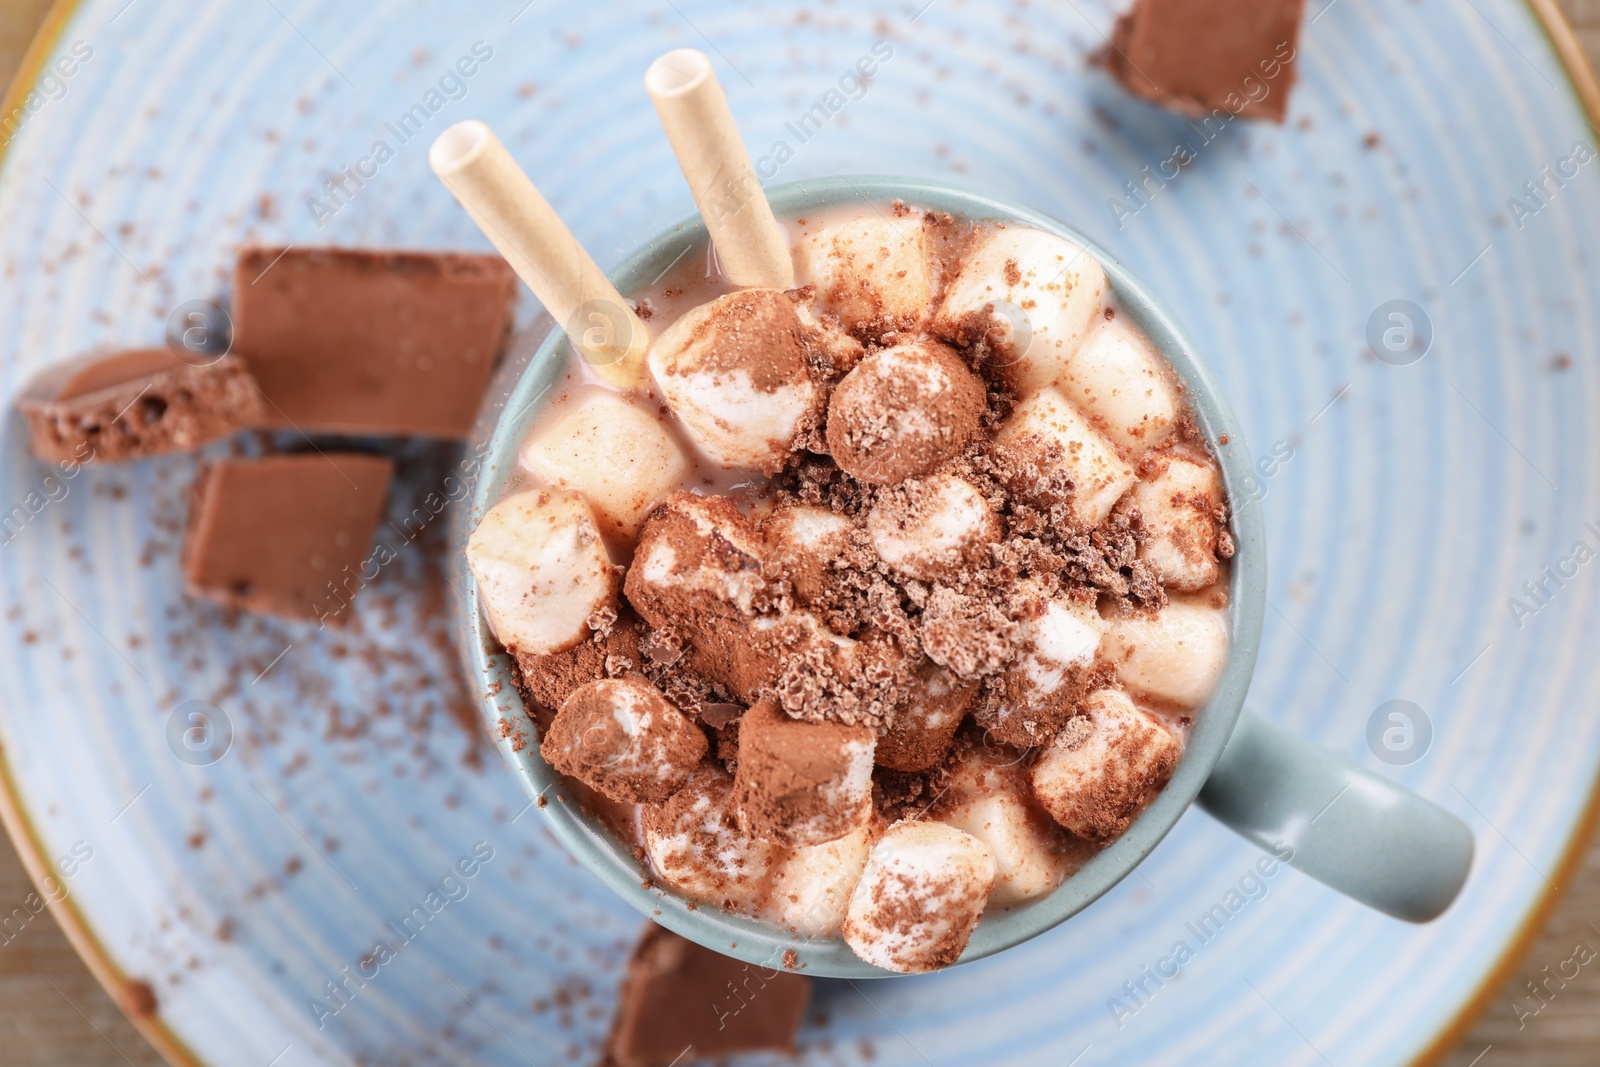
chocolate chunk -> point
(683, 1004)
(351, 341)
(1212, 58)
(801, 783)
(719, 716)
(620, 736)
(285, 535)
(857, 683)
(133, 404)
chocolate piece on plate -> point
(368, 342)
(285, 535)
(683, 1004)
(141, 402)
(1208, 58)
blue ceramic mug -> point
(1348, 828)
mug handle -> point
(1348, 828)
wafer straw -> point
(512, 213)
(751, 247)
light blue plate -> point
(1411, 503)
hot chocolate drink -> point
(886, 599)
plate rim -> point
(20, 829)
(19, 825)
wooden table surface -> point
(52, 1012)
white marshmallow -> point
(621, 737)
(801, 783)
(925, 724)
(741, 396)
(1045, 292)
(695, 845)
(988, 797)
(874, 273)
(1100, 477)
(1103, 766)
(1118, 378)
(1029, 861)
(1062, 640)
(1178, 656)
(809, 528)
(617, 455)
(931, 526)
(811, 888)
(724, 566)
(919, 898)
(902, 411)
(1179, 507)
(541, 570)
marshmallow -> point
(1033, 294)
(834, 353)
(873, 273)
(748, 656)
(903, 411)
(811, 888)
(801, 783)
(621, 737)
(1104, 765)
(1180, 508)
(1028, 857)
(804, 540)
(931, 528)
(919, 898)
(617, 455)
(1037, 692)
(988, 797)
(695, 845)
(1048, 432)
(925, 725)
(698, 571)
(1178, 656)
(696, 556)
(1118, 379)
(541, 569)
(736, 372)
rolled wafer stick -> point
(511, 212)
(752, 248)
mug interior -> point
(765, 944)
